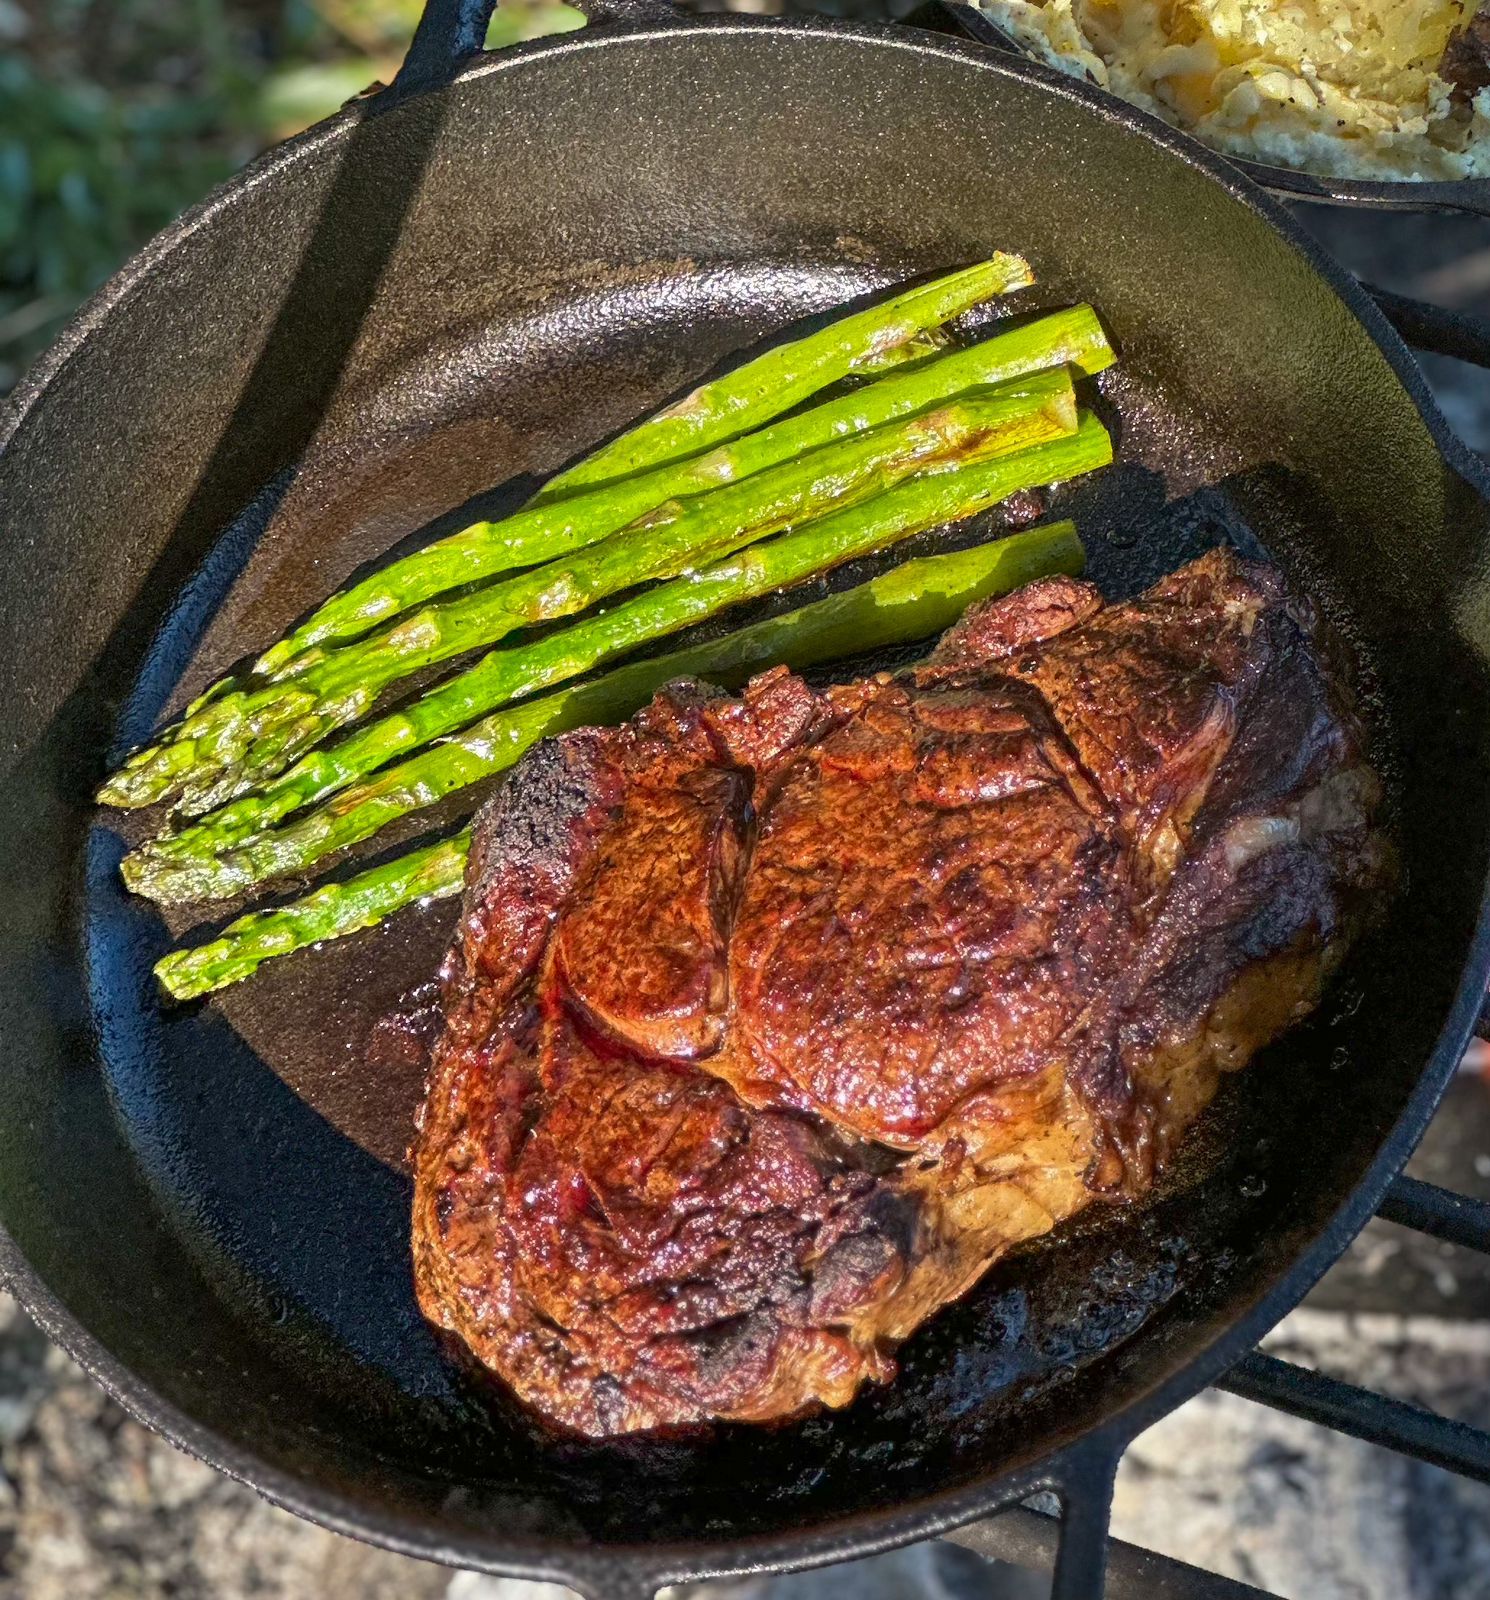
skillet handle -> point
(448, 34)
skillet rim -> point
(867, 1532)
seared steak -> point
(772, 1021)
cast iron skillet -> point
(1469, 195)
(466, 281)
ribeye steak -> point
(773, 1020)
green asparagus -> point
(337, 909)
(503, 676)
(916, 348)
(548, 529)
(908, 602)
(246, 737)
(917, 599)
(787, 375)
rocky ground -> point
(95, 1507)
(92, 1507)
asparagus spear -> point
(245, 737)
(887, 322)
(507, 675)
(917, 348)
(785, 376)
(908, 602)
(331, 912)
(912, 601)
(546, 529)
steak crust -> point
(773, 1020)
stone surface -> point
(94, 1507)
(1309, 1514)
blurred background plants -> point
(117, 114)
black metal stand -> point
(1089, 1566)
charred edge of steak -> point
(1279, 864)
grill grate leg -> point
(1086, 1511)
(1361, 1413)
(1424, 1207)
(1026, 1538)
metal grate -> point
(1088, 1564)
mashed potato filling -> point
(1345, 87)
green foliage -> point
(511, 24)
(299, 93)
(84, 176)
(115, 115)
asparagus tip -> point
(130, 789)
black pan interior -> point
(460, 293)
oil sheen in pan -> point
(263, 1125)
